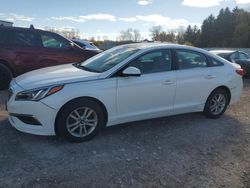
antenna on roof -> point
(32, 26)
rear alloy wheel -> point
(5, 77)
(216, 103)
(80, 120)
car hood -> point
(61, 74)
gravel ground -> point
(181, 151)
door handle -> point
(168, 82)
(209, 76)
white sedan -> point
(124, 84)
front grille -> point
(10, 93)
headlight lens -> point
(38, 94)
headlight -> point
(38, 94)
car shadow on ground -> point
(193, 127)
(159, 146)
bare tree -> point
(130, 35)
(155, 32)
(137, 35)
(66, 32)
(180, 35)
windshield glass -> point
(108, 59)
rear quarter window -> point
(215, 63)
(50, 40)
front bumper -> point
(44, 114)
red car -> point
(27, 49)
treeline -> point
(228, 29)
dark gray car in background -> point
(235, 56)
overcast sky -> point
(108, 17)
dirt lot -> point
(182, 151)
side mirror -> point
(131, 71)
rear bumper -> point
(236, 92)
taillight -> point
(240, 72)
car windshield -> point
(108, 59)
(92, 44)
(79, 44)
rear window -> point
(24, 39)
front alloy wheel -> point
(80, 120)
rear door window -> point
(23, 38)
(188, 59)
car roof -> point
(222, 51)
(156, 45)
(150, 44)
(19, 28)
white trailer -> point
(6, 23)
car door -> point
(24, 50)
(195, 81)
(56, 50)
(151, 94)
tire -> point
(5, 77)
(74, 126)
(220, 104)
(247, 75)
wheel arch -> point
(5, 63)
(224, 88)
(84, 97)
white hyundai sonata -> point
(124, 84)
